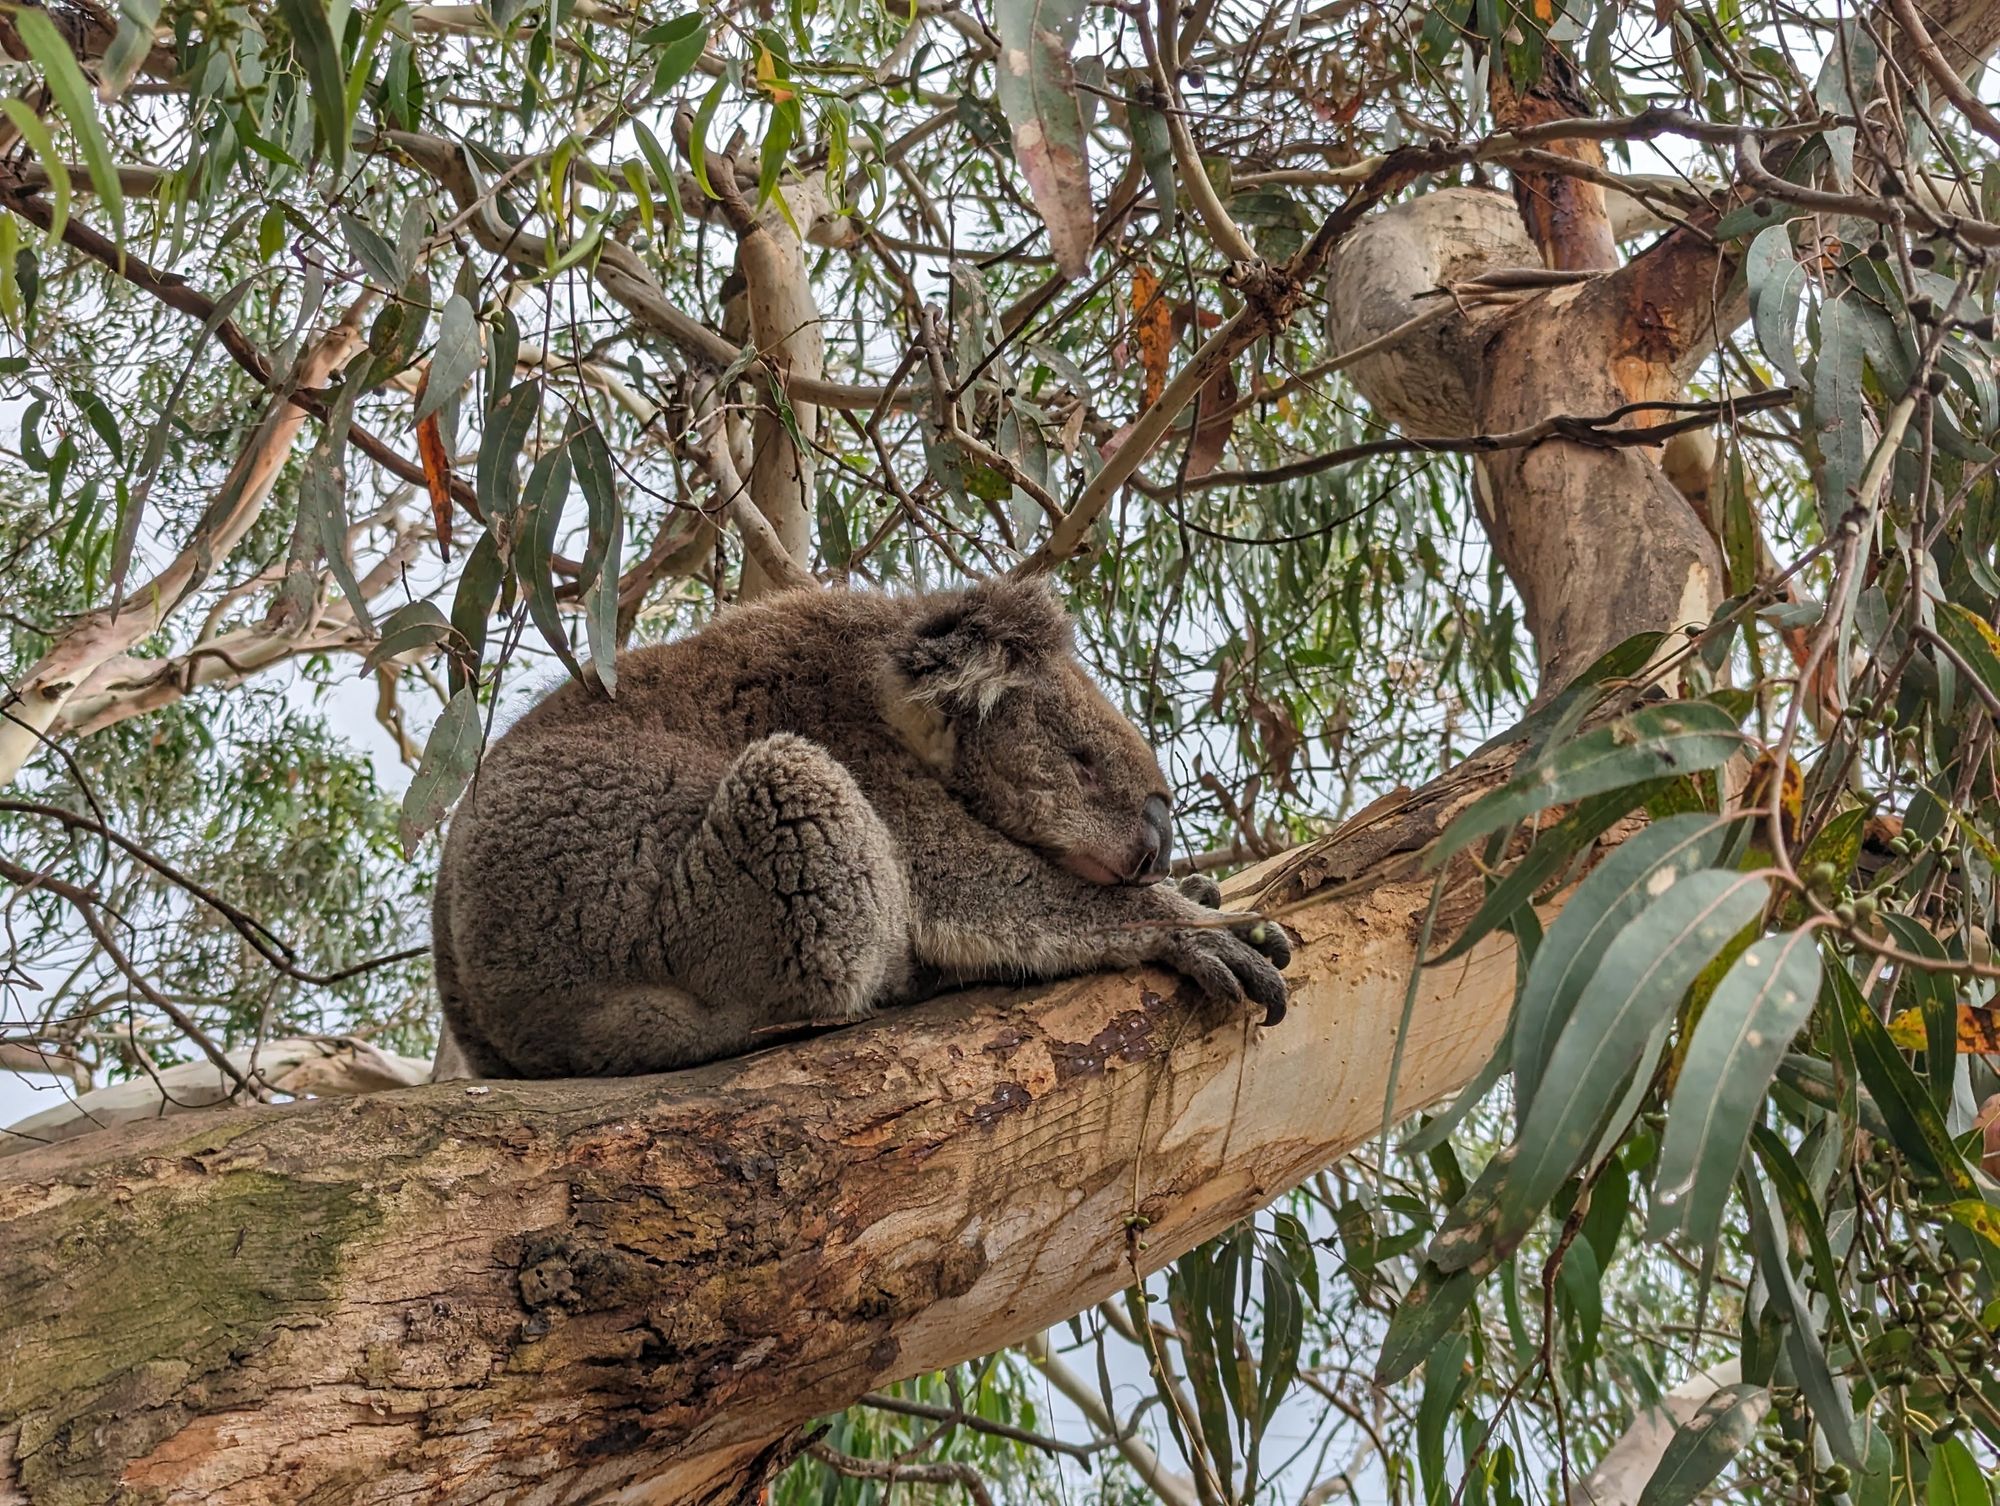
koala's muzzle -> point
(1154, 857)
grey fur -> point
(816, 806)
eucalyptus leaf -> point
(1645, 970)
(1745, 1029)
(1680, 737)
(450, 755)
(1701, 1448)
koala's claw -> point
(1203, 890)
(1240, 962)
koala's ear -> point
(961, 652)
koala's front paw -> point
(1203, 890)
(1235, 962)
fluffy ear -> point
(963, 650)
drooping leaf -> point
(1745, 1029)
(73, 97)
(1776, 282)
(1632, 877)
(1429, 1310)
(602, 550)
(542, 499)
(1702, 1447)
(1614, 1028)
(35, 131)
(1152, 331)
(130, 46)
(1837, 408)
(1914, 1122)
(436, 461)
(472, 604)
(323, 501)
(507, 426)
(456, 358)
(1825, 1394)
(409, 628)
(319, 54)
(1152, 139)
(450, 755)
(1680, 737)
(1937, 1002)
(1038, 95)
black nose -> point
(1159, 820)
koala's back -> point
(553, 864)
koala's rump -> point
(556, 859)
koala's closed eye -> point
(1086, 765)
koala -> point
(819, 805)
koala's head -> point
(984, 686)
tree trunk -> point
(636, 1289)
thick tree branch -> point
(517, 1289)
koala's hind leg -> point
(790, 898)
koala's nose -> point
(1157, 845)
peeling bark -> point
(785, 325)
(638, 1289)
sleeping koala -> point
(818, 805)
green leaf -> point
(1701, 1447)
(1152, 139)
(323, 500)
(100, 418)
(1976, 642)
(1552, 848)
(456, 357)
(1743, 1033)
(662, 168)
(1838, 411)
(1429, 1310)
(1937, 997)
(1636, 873)
(472, 604)
(450, 755)
(376, 253)
(36, 133)
(1956, 1478)
(326, 81)
(129, 47)
(1038, 95)
(1680, 737)
(698, 136)
(73, 97)
(1823, 1393)
(1914, 1122)
(507, 429)
(409, 628)
(541, 512)
(602, 550)
(681, 42)
(1615, 1026)
(1776, 281)
(1445, 1382)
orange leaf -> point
(1791, 794)
(1978, 1031)
(437, 476)
(1153, 323)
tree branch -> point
(603, 1283)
